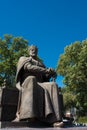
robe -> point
(39, 97)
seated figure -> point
(38, 97)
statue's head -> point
(33, 50)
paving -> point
(27, 128)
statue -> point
(38, 98)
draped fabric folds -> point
(39, 98)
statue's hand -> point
(52, 72)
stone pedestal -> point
(8, 103)
(7, 124)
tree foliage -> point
(11, 48)
(69, 99)
(72, 65)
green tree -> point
(72, 65)
(69, 99)
(11, 48)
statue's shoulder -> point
(22, 60)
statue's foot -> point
(58, 124)
(16, 120)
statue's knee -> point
(32, 77)
(29, 79)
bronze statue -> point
(38, 97)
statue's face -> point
(33, 52)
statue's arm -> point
(49, 72)
(35, 68)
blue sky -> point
(51, 25)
